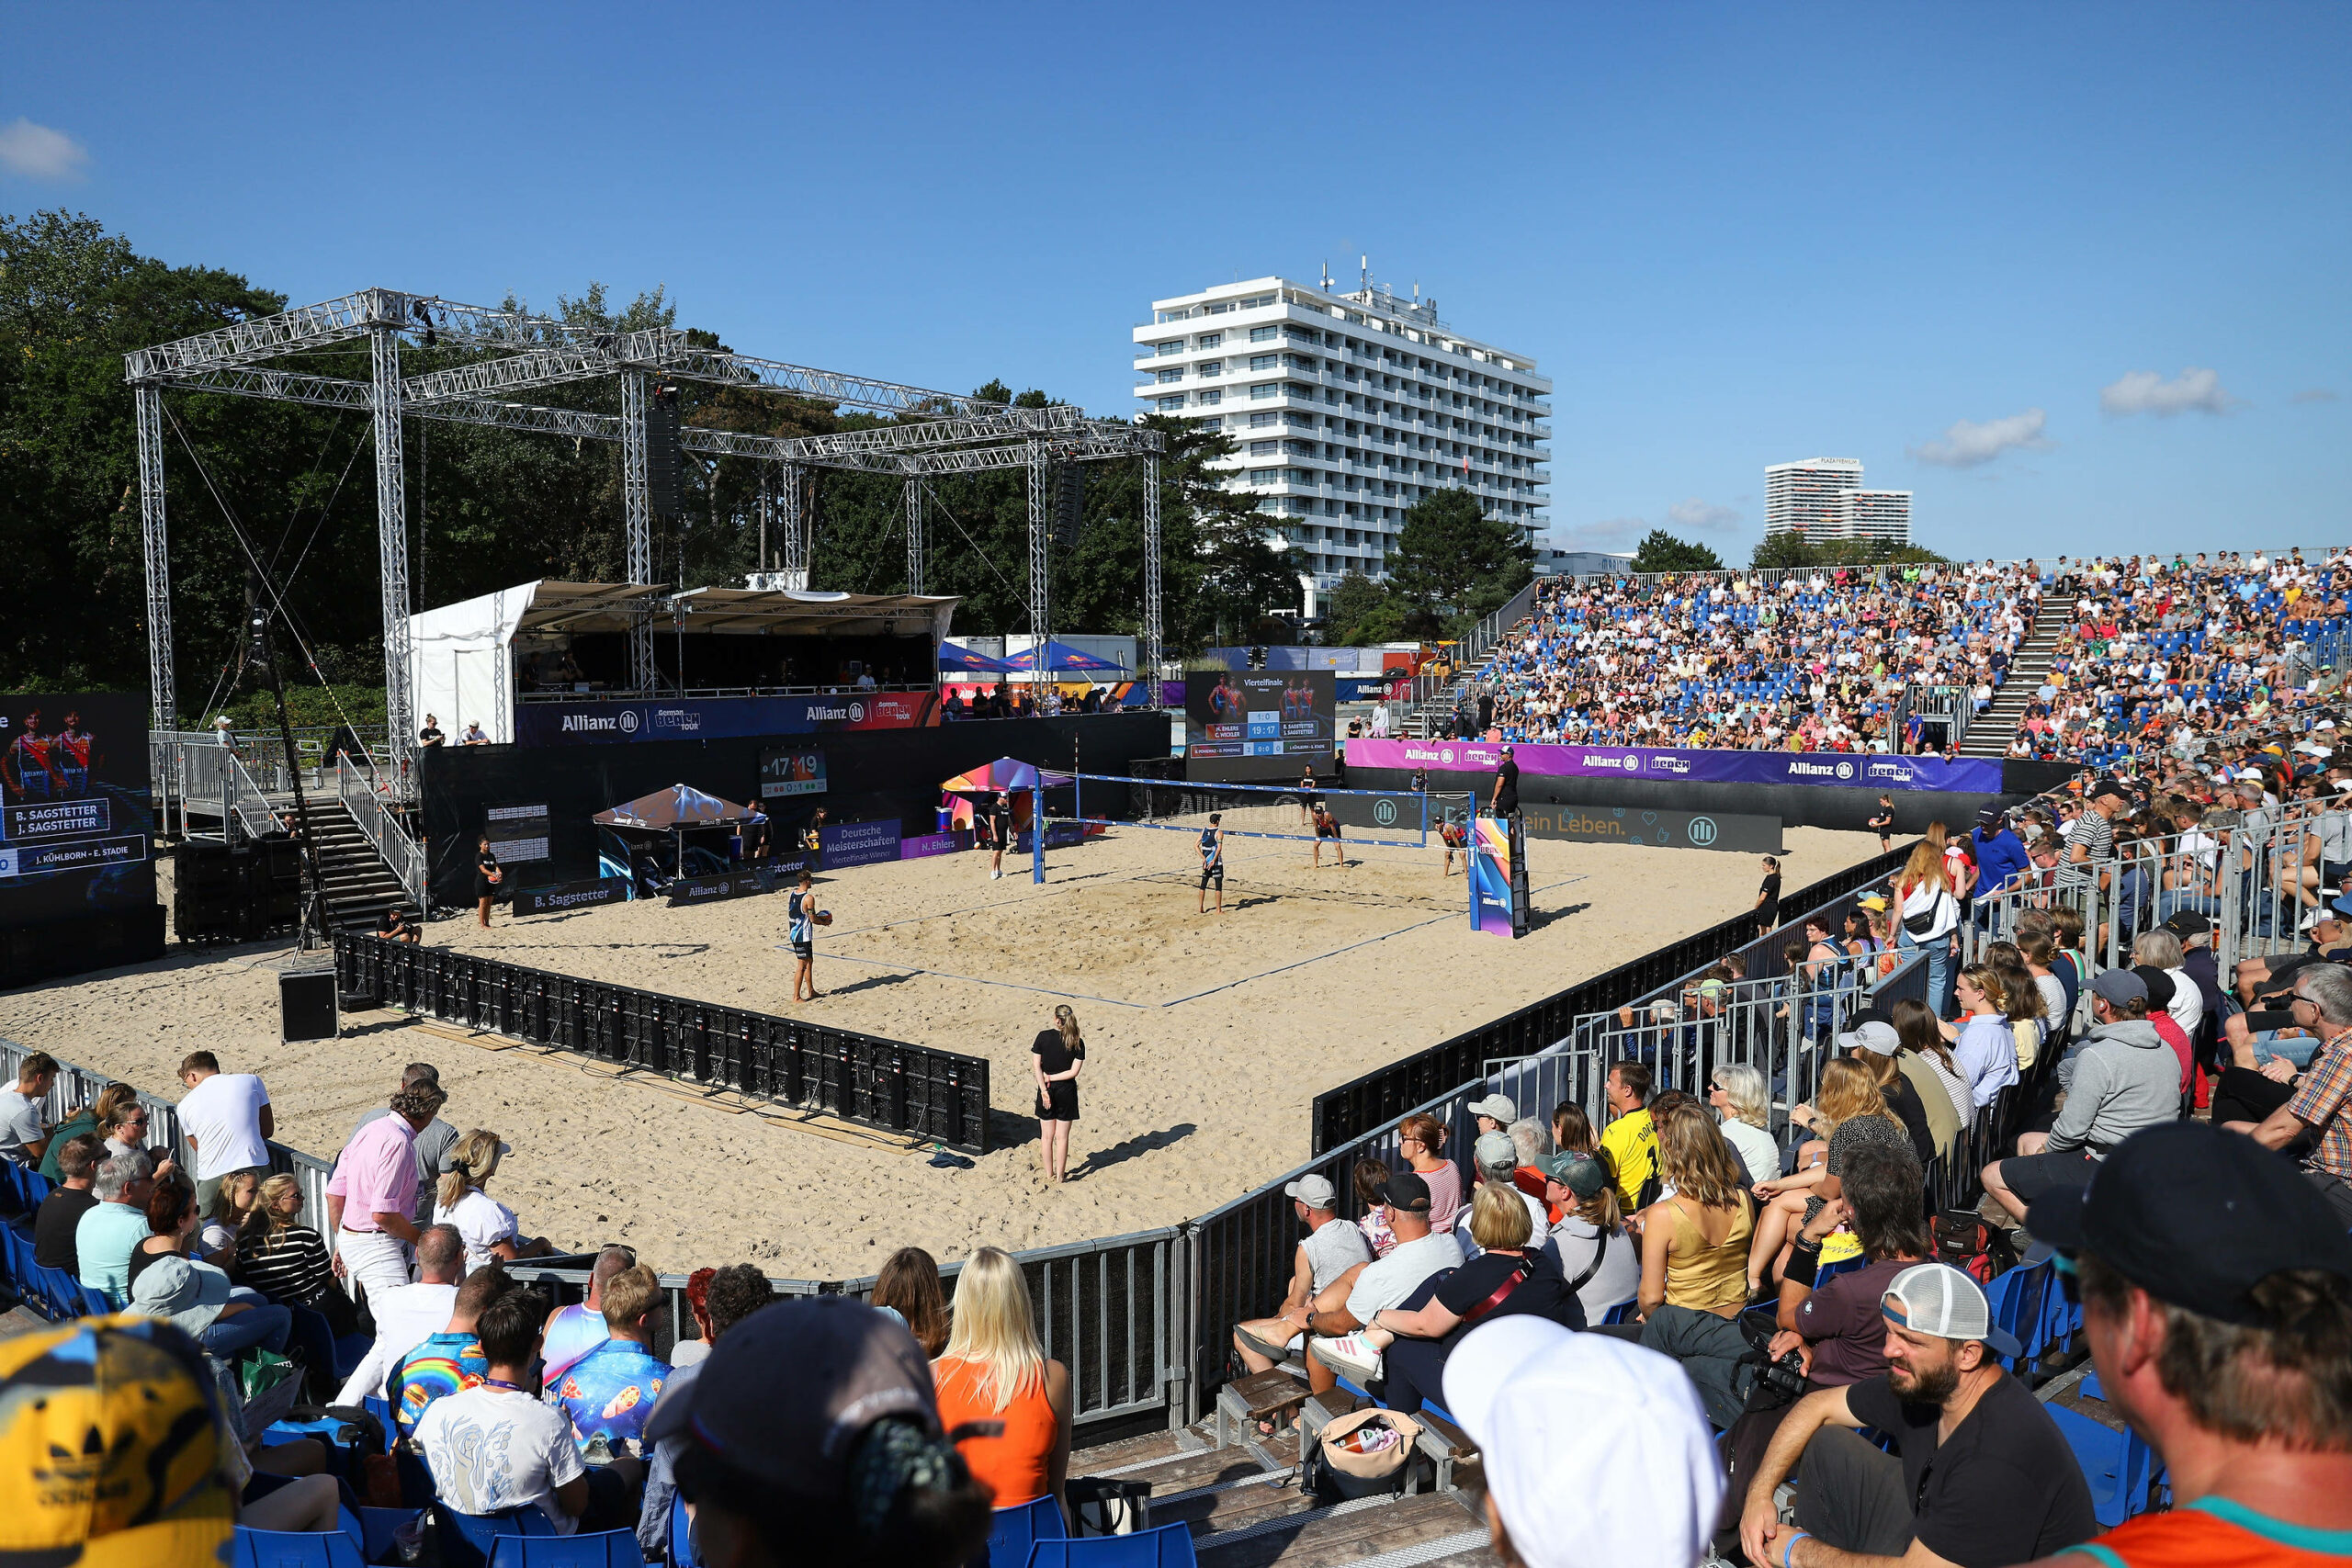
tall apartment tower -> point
(1345, 408)
(1823, 497)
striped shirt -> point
(296, 1271)
(2095, 836)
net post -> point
(1037, 833)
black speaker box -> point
(306, 1005)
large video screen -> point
(77, 815)
(1257, 724)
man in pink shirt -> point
(372, 1194)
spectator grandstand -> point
(2121, 651)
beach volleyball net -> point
(1400, 818)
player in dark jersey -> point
(1455, 837)
(1212, 849)
(1328, 826)
(1310, 797)
(802, 918)
(1881, 822)
(999, 832)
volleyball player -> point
(801, 918)
(1457, 838)
(1213, 861)
(1310, 797)
(1328, 826)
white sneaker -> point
(1352, 1354)
(996, 876)
(2309, 919)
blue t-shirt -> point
(609, 1393)
(1999, 858)
(104, 1238)
(445, 1363)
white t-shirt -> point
(223, 1115)
(483, 1221)
(2188, 1006)
(1759, 1154)
(495, 1448)
(20, 1123)
(1536, 1213)
(1387, 1280)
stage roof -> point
(559, 607)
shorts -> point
(804, 949)
(2031, 1176)
(1214, 873)
(1330, 832)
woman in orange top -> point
(994, 1370)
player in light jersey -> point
(1212, 847)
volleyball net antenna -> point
(1397, 817)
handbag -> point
(1106, 1506)
(1362, 1455)
(260, 1369)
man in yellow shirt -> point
(1630, 1141)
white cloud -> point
(2144, 391)
(40, 153)
(1966, 443)
(2315, 395)
(1697, 513)
(1609, 534)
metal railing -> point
(203, 776)
(364, 797)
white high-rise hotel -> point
(1823, 497)
(1346, 409)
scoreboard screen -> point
(77, 816)
(1258, 724)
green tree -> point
(1782, 552)
(1661, 551)
(1362, 612)
(1453, 563)
(1793, 551)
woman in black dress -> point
(487, 876)
(1058, 1055)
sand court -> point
(1208, 1035)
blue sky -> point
(2076, 275)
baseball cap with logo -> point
(1406, 1190)
(1315, 1192)
(1879, 1039)
(112, 1448)
(1937, 1298)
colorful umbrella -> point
(680, 805)
(1004, 774)
(1061, 656)
(952, 656)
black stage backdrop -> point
(1797, 805)
(869, 776)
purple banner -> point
(1838, 770)
(926, 844)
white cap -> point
(1596, 1451)
(1315, 1192)
(1497, 1106)
(1870, 1035)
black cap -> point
(787, 1392)
(2196, 1217)
(1406, 1190)
(2161, 988)
(1989, 817)
(2110, 786)
(2188, 922)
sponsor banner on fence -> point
(926, 844)
(559, 896)
(1655, 829)
(1838, 770)
(711, 889)
(858, 843)
(588, 722)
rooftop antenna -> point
(1366, 264)
(1327, 276)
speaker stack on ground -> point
(237, 895)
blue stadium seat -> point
(467, 1539)
(681, 1537)
(1170, 1546)
(606, 1548)
(1017, 1527)
(1622, 1312)
(376, 1528)
(287, 1549)
(2117, 1465)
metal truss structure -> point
(511, 352)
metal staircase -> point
(358, 884)
(1990, 733)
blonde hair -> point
(1697, 1161)
(1744, 1087)
(1600, 1210)
(265, 1221)
(992, 1329)
(474, 1160)
(1926, 865)
(224, 1197)
(629, 1295)
(1847, 1090)
(1989, 985)
(1498, 1217)
(1068, 1022)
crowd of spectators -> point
(2153, 652)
